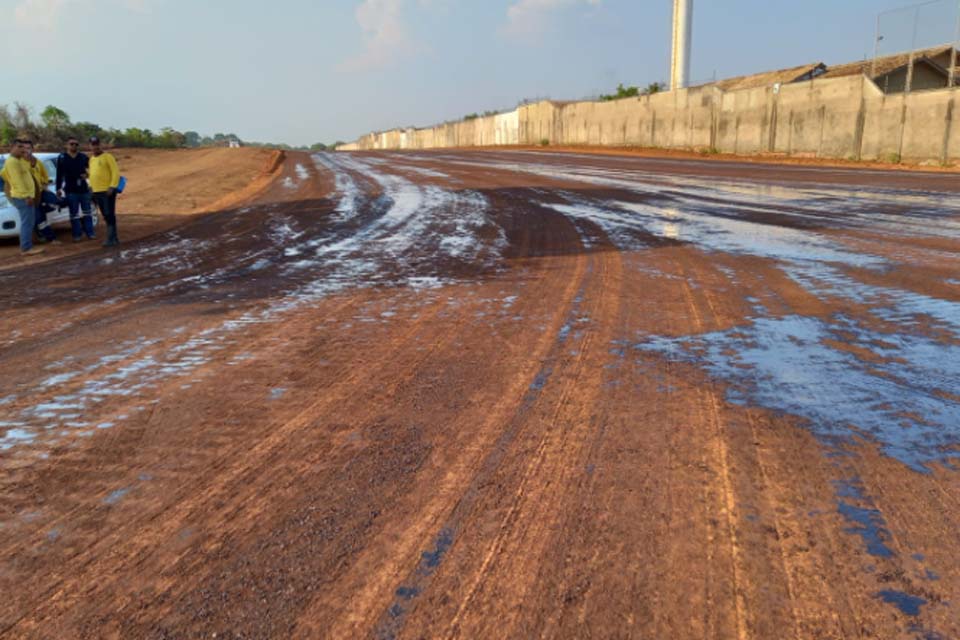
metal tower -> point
(682, 31)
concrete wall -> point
(847, 117)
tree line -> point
(633, 91)
(54, 126)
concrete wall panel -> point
(925, 126)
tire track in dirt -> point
(529, 512)
(729, 504)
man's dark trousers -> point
(80, 224)
(46, 202)
(107, 203)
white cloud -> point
(385, 36)
(527, 18)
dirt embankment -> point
(195, 180)
(164, 186)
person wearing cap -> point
(20, 188)
(104, 180)
(72, 166)
(44, 200)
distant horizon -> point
(315, 74)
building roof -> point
(769, 78)
(885, 64)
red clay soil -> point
(494, 395)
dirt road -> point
(495, 395)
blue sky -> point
(303, 71)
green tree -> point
(8, 132)
(54, 118)
(654, 87)
(134, 137)
(86, 130)
(622, 92)
(170, 138)
(53, 128)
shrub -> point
(633, 91)
(622, 92)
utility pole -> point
(913, 50)
(953, 52)
(876, 48)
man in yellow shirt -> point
(104, 178)
(44, 199)
(21, 191)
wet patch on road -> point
(116, 495)
(14, 436)
(892, 211)
(900, 397)
(429, 561)
(866, 521)
(906, 603)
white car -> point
(10, 218)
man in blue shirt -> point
(72, 167)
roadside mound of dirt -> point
(193, 180)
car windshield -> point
(51, 168)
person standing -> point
(72, 167)
(104, 180)
(19, 185)
(43, 199)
